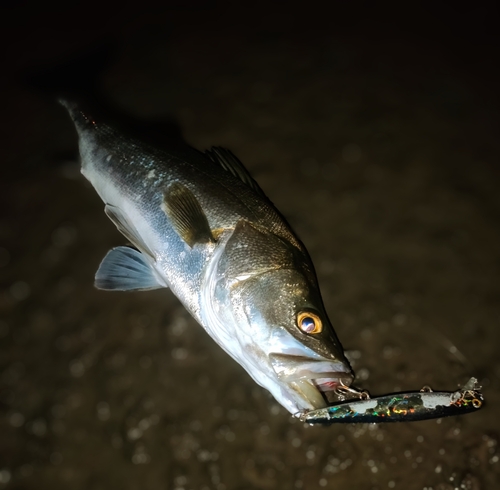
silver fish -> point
(202, 227)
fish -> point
(200, 225)
(399, 407)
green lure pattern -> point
(400, 407)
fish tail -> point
(82, 121)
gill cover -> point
(271, 285)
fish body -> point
(202, 227)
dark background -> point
(374, 130)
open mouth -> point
(333, 390)
(319, 392)
(316, 381)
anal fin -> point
(186, 215)
(126, 228)
(125, 269)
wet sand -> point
(383, 157)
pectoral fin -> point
(186, 215)
(125, 269)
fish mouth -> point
(312, 379)
(315, 395)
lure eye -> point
(309, 322)
(476, 403)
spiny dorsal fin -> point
(186, 215)
(229, 162)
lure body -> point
(400, 407)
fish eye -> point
(309, 322)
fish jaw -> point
(299, 388)
(303, 387)
(324, 374)
(306, 379)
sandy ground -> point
(382, 157)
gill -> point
(210, 305)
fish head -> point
(289, 332)
(285, 339)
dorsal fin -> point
(229, 162)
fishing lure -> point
(398, 407)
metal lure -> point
(400, 407)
